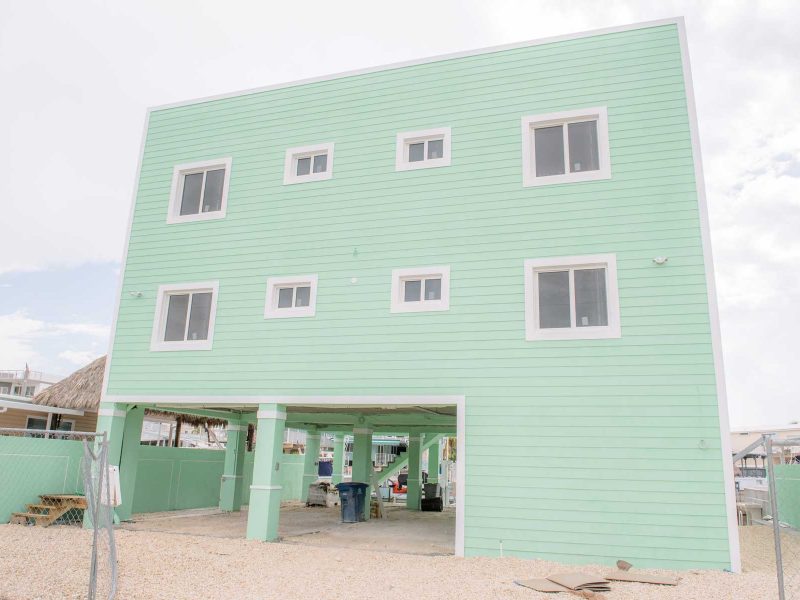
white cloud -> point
(79, 357)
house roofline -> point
(679, 21)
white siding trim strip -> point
(271, 414)
(110, 412)
(399, 400)
(236, 427)
(266, 487)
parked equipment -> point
(352, 496)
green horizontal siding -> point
(579, 450)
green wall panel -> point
(787, 480)
(602, 439)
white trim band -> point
(232, 476)
(313, 436)
(268, 488)
(236, 427)
(415, 438)
(278, 415)
(110, 412)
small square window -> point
(565, 147)
(423, 149)
(308, 163)
(572, 298)
(184, 318)
(199, 191)
(291, 297)
(420, 289)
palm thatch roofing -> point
(82, 391)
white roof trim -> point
(421, 61)
(8, 402)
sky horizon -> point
(84, 74)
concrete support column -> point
(414, 496)
(362, 461)
(232, 487)
(338, 459)
(311, 463)
(265, 493)
(434, 458)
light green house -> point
(509, 245)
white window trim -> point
(271, 310)
(534, 266)
(400, 275)
(290, 163)
(529, 178)
(410, 137)
(46, 420)
(176, 193)
(157, 343)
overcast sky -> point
(77, 77)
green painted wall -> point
(580, 451)
(32, 466)
(179, 478)
(787, 480)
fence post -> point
(776, 523)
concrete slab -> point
(403, 531)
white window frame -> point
(399, 276)
(539, 265)
(271, 310)
(176, 194)
(46, 420)
(405, 139)
(293, 154)
(157, 343)
(529, 123)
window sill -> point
(574, 333)
(289, 313)
(415, 307)
(180, 346)
(530, 180)
(292, 179)
(422, 164)
(206, 216)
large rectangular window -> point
(199, 191)
(571, 298)
(565, 147)
(185, 317)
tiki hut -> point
(82, 391)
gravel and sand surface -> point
(49, 564)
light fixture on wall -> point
(136, 294)
(660, 260)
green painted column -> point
(434, 458)
(414, 495)
(231, 489)
(129, 460)
(338, 459)
(362, 461)
(265, 492)
(311, 463)
(111, 421)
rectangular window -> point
(30, 390)
(423, 149)
(565, 147)
(420, 289)
(199, 191)
(308, 163)
(572, 298)
(293, 296)
(185, 316)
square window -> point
(184, 318)
(423, 149)
(572, 298)
(420, 289)
(199, 191)
(565, 147)
(308, 163)
(291, 297)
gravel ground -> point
(48, 564)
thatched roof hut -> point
(82, 391)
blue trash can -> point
(352, 496)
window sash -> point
(312, 160)
(201, 202)
(187, 315)
(573, 325)
(565, 136)
(423, 279)
(425, 148)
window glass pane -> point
(176, 317)
(65, 426)
(285, 297)
(303, 296)
(416, 152)
(412, 290)
(199, 317)
(591, 306)
(320, 163)
(190, 201)
(433, 289)
(549, 145)
(554, 299)
(34, 423)
(436, 149)
(212, 195)
(304, 165)
(583, 154)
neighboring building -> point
(17, 389)
(507, 245)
